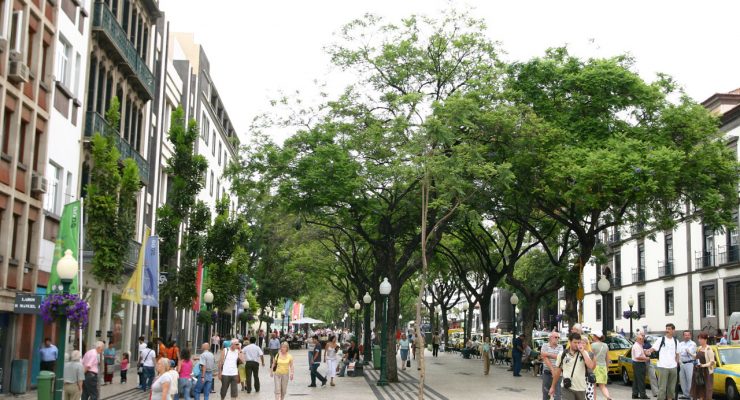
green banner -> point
(68, 238)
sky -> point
(259, 49)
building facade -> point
(27, 48)
(687, 276)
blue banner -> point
(150, 284)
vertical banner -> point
(295, 312)
(150, 287)
(68, 238)
(133, 289)
(198, 285)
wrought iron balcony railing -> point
(95, 122)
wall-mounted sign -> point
(27, 303)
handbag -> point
(408, 363)
(699, 376)
(274, 365)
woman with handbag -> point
(282, 370)
(403, 346)
(109, 361)
(229, 369)
(702, 381)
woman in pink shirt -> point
(185, 369)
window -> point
(213, 141)
(22, 142)
(641, 262)
(733, 297)
(218, 189)
(709, 301)
(51, 200)
(6, 131)
(618, 307)
(669, 301)
(205, 128)
(64, 62)
(669, 249)
(211, 186)
(708, 248)
(68, 194)
(618, 267)
(16, 33)
(641, 304)
(598, 310)
(219, 153)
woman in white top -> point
(229, 370)
(161, 386)
(330, 358)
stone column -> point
(94, 318)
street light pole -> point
(367, 339)
(604, 287)
(631, 303)
(67, 268)
(357, 321)
(384, 290)
(208, 299)
(514, 301)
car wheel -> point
(731, 390)
(625, 377)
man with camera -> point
(573, 365)
(668, 358)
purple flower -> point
(65, 306)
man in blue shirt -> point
(49, 354)
(516, 354)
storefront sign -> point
(27, 303)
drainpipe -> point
(689, 270)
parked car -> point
(727, 371)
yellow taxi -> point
(617, 347)
(624, 362)
(727, 371)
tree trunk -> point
(485, 317)
(528, 315)
(390, 351)
(445, 327)
(469, 323)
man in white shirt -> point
(139, 362)
(668, 358)
(273, 346)
(252, 352)
(687, 354)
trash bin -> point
(376, 357)
(18, 376)
(45, 386)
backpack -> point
(662, 342)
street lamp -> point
(563, 304)
(384, 290)
(466, 330)
(208, 299)
(631, 303)
(604, 287)
(67, 268)
(514, 301)
(245, 307)
(368, 351)
(357, 320)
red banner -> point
(198, 285)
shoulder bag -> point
(274, 365)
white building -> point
(688, 276)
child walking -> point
(124, 367)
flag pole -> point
(80, 259)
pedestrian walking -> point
(640, 359)
(91, 364)
(184, 370)
(148, 363)
(403, 347)
(281, 371)
(330, 358)
(109, 361)
(667, 349)
(485, 351)
(173, 352)
(48, 355)
(273, 346)
(124, 367)
(215, 342)
(228, 369)
(140, 361)
(572, 365)
(207, 366)
(74, 376)
(703, 373)
(162, 386)
(687, 355)
(435, 344)
(315, 363)
(517, 351)
(549, 353)
(252, 353)
(601, 358)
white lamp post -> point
(368, 351)
(384, 290)
(604, 285)
(67, 269)
(631, 303)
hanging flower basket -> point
(559, 317)
(66, 306)
(631, 314)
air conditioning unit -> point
(38, 184)
(18, 72)
(15, 55)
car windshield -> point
(617, 343)
(730, 356)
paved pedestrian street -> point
(449, 377)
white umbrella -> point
(307, 320)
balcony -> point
(705, 260)
(616, 281)
(614, 237)
(638, 276)
(111, 36)
(129, 261)
(665, 268)
(728, 254)
(95, 122)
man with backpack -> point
(668, 358)
(573, 365)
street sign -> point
(27, 303)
